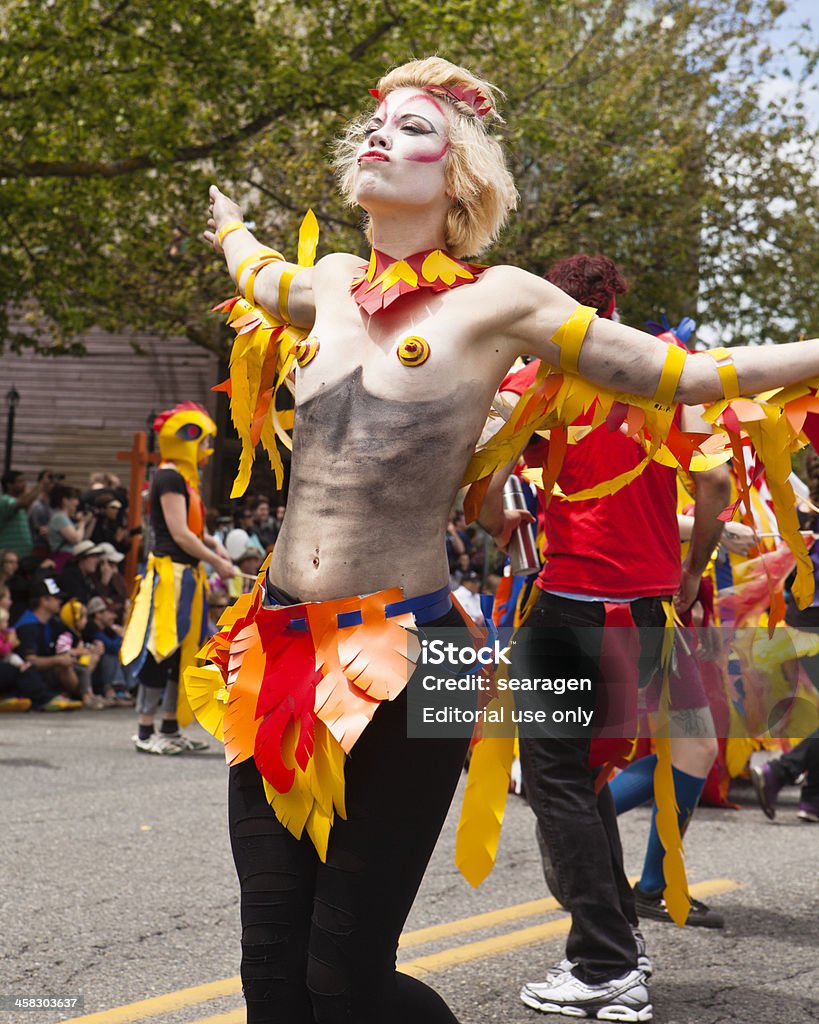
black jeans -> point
(579, 826)
(804, 758)
(319, 940)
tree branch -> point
(289, 205)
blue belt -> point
(426, 608)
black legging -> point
(319, 940)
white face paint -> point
(401, 161)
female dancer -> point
(392, 390)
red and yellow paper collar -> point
(386, 279)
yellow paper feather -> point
(308, 240)
(262, 337)
(206, 695)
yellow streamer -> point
(165, 640)
(484, 802)
(676, 895)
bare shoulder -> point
(517, 281)
(516, 298)
(338, 264)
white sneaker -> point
(621, 999)
(187, 744)
(157, 744)
(644, 964)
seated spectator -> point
(74, 616)
(78, 578)
(262, 524)
(468, 595)
(223, 525)
(110, 526)
(248, 563)
(108, 679)
(9, 564)
(21, 686)
(278, 521)
(238, 540)
(37, 631)
(66, 527)
(31, 569)
(15, 533)
(218, 600)
(110, 582)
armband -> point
(727, 372)
(670, 377)
(260, 258)
(284, 292)
(570, 335)
(226, 229)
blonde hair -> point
(477, 177)
(72, 612)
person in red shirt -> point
(610, 559)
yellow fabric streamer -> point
(484, 802)
(675, 894)
(152, 624)
(139, 620)
(164, 613)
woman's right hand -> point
(738, 538)
(223, 566)
(221, 210)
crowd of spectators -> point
(64, 599)
(475, 564)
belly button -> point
(316, 559)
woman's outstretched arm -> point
(630, 361)
(283, 289)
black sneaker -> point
(652, 905)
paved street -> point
(117, 886)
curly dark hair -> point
(591, 280)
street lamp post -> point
(12, 398)
(150, 432)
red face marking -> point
(420, 97)
(399, 112)
(430, 158)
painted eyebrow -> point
(404, 117)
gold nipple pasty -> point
(413, 351)
(306, 350)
